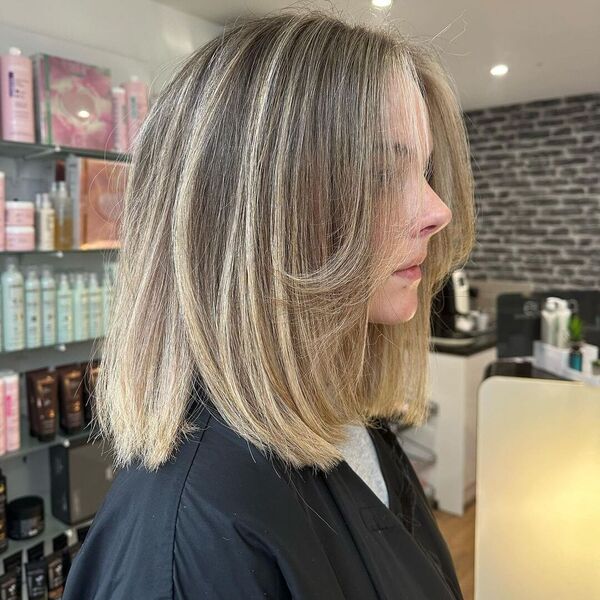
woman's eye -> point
(428, 173)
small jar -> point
(20, 238)
(19, 212)
(25, 517)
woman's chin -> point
(396, 308)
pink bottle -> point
(16, 97)
(119, 107)
(2, 202)
(11, 411)
(2, 415)
(137, 107)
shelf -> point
(57, 253)
(57, 347)
(38, 151)
(30, 444)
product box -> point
(96, 188)
(80, 476)
(73, 100)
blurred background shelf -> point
(39, 151)
(30, 444)
(58, 347)
(56, 253)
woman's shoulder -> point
(206, 507)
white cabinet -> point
(452, 432)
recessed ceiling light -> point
(381, 3)
(499, 70)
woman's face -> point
(396, 300)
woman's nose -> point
(436, 215)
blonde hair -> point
(246, 258)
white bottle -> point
(64, 310)
(13, 307)
(96, 307)
(81, 309)
(48, 308)
(33, 310)
(53, 193)
(46, 224)
(563, 315)
(549, 321)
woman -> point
(265, 326)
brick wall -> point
(537, 190)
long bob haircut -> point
(266, 203)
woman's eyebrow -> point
(402, 150)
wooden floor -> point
(459, 533)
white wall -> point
(130, 37)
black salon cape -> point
(220, 521)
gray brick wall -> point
(537, 191)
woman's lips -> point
(413, 273)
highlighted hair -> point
(247, 258)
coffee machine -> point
(451, 315)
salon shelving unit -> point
(31, 168)
(28, 151)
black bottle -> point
(3, 536)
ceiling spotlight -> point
(499, 70)
(381, 3)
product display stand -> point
(29, 169)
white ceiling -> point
(552, 47)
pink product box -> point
(74, 104)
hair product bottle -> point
(16, 97)
(70, 394)
(13, 307)
(13, 575)
(90, 377)
(137, 107)
(549, 321)
(2, 417)
(42, 403)
(46, 224)
(10, 380)
(63, 232)
(36, 225)
(81, 309)
(3, 534)
(2, 202)
(119, 106)
(96, 307)
(64, 310)
(48, 308)
(55, 574)
(33, 310)
(36, 573)
(563, 318)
